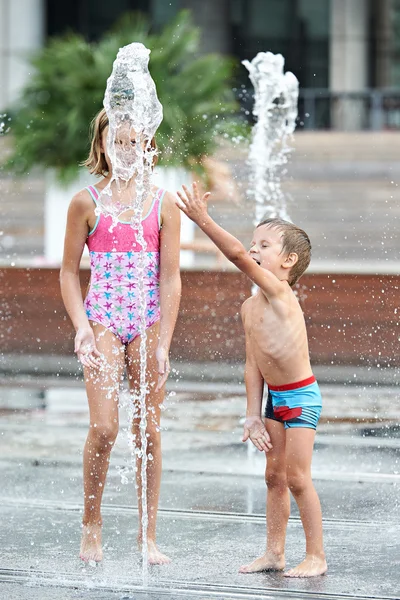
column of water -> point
(133, 110)
(275, 113)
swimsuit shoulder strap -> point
(160, 198)
(93, 192)
(95, 195)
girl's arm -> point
(75, 238)
(170, 282)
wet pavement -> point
(212, 505)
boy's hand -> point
(254, 429)
(163, 367)
(85, 348)
(191, 204)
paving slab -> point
(61, 485)
(212, 508)
(206, 550)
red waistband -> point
(292, 386)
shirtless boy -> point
(276, 354)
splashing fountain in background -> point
(275, 110)
(133, 111)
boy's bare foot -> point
(266, 562)
(91, 543)
(312, 566)
(154, 556)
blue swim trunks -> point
(295, 404)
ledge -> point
(54, 371)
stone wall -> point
(351, 319)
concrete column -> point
(348, 60)
(21, 33)
(213, 19)
(383, 31)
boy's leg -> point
(278, 503)
(299, 448)
(154, 401)
(102, 387)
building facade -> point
(345, 53)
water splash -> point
(134, 114)
(275, 110)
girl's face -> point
(123, 153)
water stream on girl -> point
(134, 114)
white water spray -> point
(275, 110)
(134, 114)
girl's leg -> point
(102, 387)
(154, 401)
(299, 448)
(278, 504)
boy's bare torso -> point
(277, 337)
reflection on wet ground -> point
(212, 501)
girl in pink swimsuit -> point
(107, 327)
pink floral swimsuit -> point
(112, 298)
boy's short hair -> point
(96, 161)
(295, 240)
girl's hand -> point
(191, 204)
(163, 367)
(85, 348)
(254, 429)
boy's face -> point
(266, 248)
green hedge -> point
(50, 126)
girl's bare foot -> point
(312, 566)
(91, 543)
(266, 562)
(154, 556)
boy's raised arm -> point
(196, 209)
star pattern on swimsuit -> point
(112, 297)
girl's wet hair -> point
(295, 240)
(96, 161)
